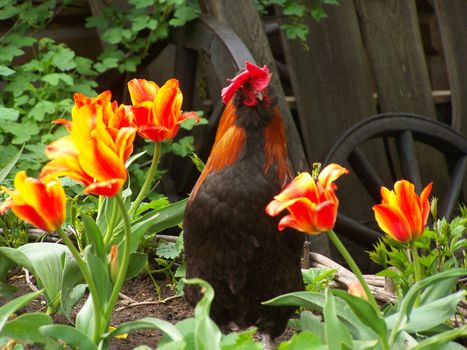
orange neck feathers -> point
(230, 140)
(275, 148)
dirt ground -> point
(138, 290)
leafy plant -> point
(317, 279)
(131, 31)
(37, 89)
(351, 322)
(443, 248)
(296, 13)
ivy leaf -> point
(184, 14)
(183, 147)
(84, 66)
(41, 108)
(295, 31)
(141, 22)
(5, 71)
(9, 114)
(294, 9)
(63, 59)
(99, 22)
(106, 64)
(7, 53)
(318, 13)
(54, 78)
(113, 35)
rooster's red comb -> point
(258, 78)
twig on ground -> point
(29, 282)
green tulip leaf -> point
(336, 334)
(152, 222)
(407, 304)
(45, 261)
(364, 312)
(303, 340)
(7, 168)
(72, 290)
(429, 315)
(15, 304)
(147, 323)
(73, 337)
(85, 319)
(315, 301)
(207, 333)
(25, 328)
(136, 264)
(437, 341)
(94, 236)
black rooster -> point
(229, 239)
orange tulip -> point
(41, 203)
(312, 204)
(100, 143)
(157, 111)
(355, 288)
(402, 214)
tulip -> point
(156, 112)
(312, 205)
(355, 288)
(402, 214)
(99, 144)
(40, 203)
(113, 263)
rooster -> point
(229, 239)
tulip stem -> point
(111, 224)
(90, 282)
(416, 262)
(148, 181)
(123, 267)
(355, 269)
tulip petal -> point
(409, 204)
(330, 174)
(393, 222)
(301, 186)
(30, 215)
(142, 90)
(105, 188)
(289, 221)
(325, 216)
(425, 204)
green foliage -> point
(296, 13)
(351, 322)
(317, 279)
(38, 89)
(131, 31)
(442, 248)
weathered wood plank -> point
(452, 19)
(331, 80)
(242, 17)
(392, 38)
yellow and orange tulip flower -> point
(402, 214)
(99, 144)
(41, 203)
(157, 110)
(312, 205)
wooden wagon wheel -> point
(406, 131)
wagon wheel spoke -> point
(366, 173)
(354, 230)
(408, 158)
(455, 188)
